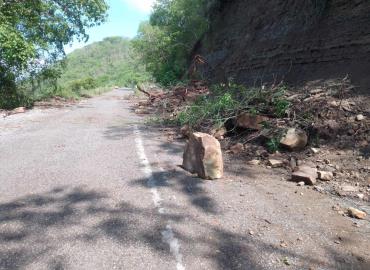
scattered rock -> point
(360, 196)
(254, 162)
(315, 150)
(220, 133)
(348, 188)
(17, 110)
(185, 131)
(250, 121)
(305, 174)
(332, 124)
(275, 163)
(141, 111)
(293, 163)
(237, 148)
(203, 156)
(360, 117)
(283, 244)
(325, 176)
(355, 213)
(294, 139)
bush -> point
(225, 101)
(84, 84)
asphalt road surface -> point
(92, 187)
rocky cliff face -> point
(258, 41)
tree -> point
(166, 41)
(33, 33)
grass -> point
(226, 101)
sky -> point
(124, 17)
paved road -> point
(90, 187)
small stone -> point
(250, 121)
(283, 244)
(315, 150)
(275, 163)
(141, 111)
(294, 139)
(305, 174)
(355, 213)
(220, 133)
(293, 163)
(348, 188)
(286, 261)
(18, 110)
(325, 176)
(301, 184)
(237, 148)
(185, 131)
(360, 117)
(360, 196)
(254, 162)
(251, 232)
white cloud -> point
(142, 5)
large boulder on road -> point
(203, 156)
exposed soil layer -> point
(255, 42)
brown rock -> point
(17, 110)
(348, 188)
(203, 156)
(275, 163)
(360, 117)
(141, 111)
(305, 174)
(254, 162)
(294, 139)
(332, 124)
(325, 176)
(250, 121)
(355, 213)
(237, 148)
(220, 133)
(185, 131)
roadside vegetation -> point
(32, 38)
(166, 41)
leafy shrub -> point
(84, 84)
(227, 100)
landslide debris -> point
(324, 126)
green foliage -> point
(83, 84)
(206, 108)
(32, 38)
(226, 100)
(110, 62)
(166, 41)
(273, 145)
(38, 29)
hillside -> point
(109, 62)
(294, 41)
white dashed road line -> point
(167, 234)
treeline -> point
(32, 38)
(33, 34)
(166, 41)
(111, 62)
